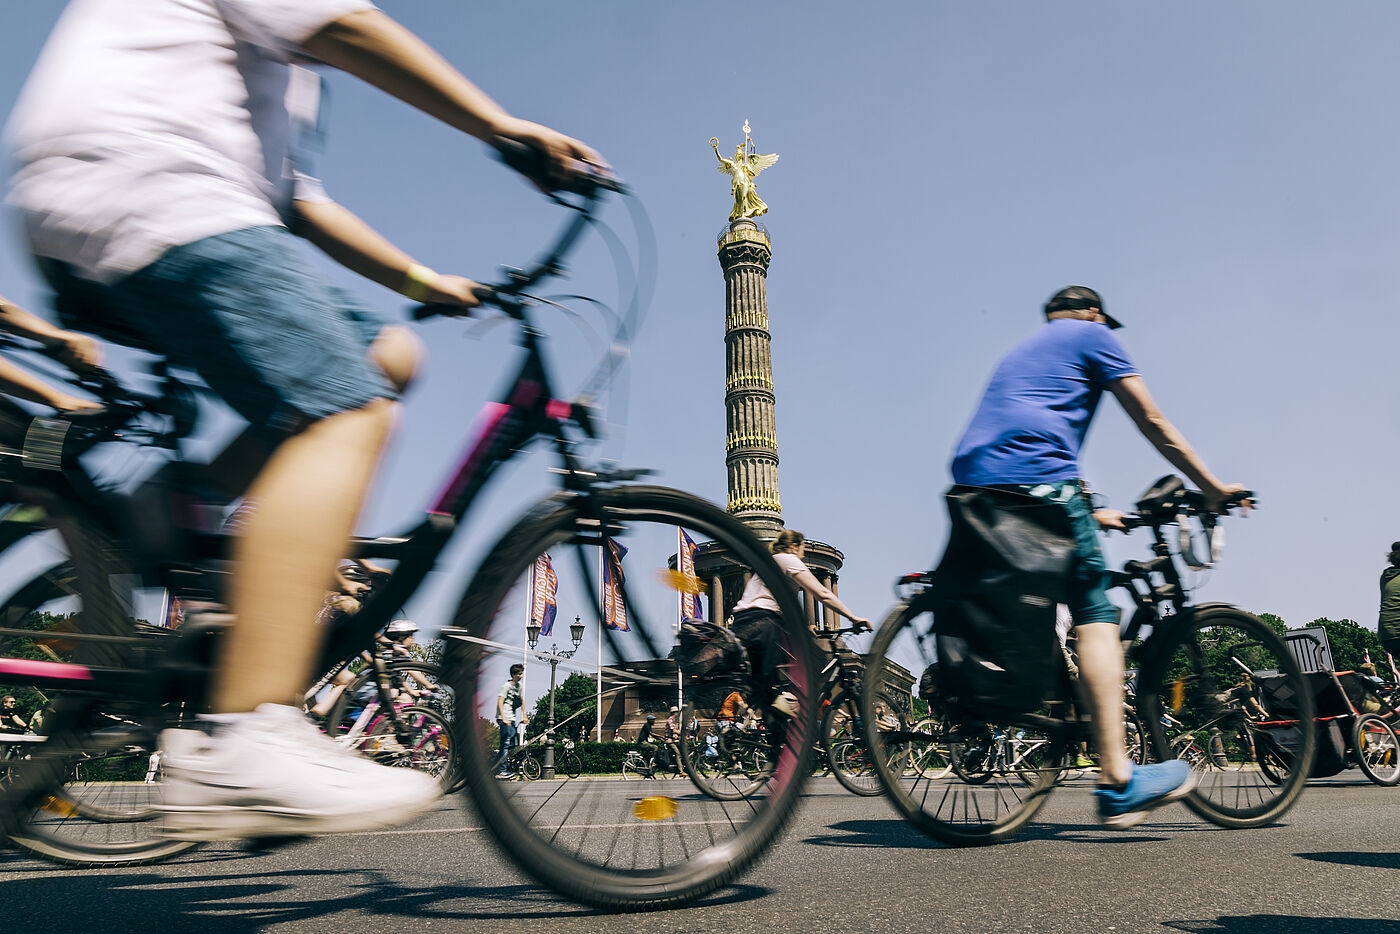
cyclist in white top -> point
(758, 625)
(162, 185)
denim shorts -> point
(245, 311)
(1088, 592)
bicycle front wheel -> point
(86, 795)
(1377, 749)
(1213, 670)
(987, 801)
(614, 844)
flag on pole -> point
(544, 586)
(690, 590)
(614, 604)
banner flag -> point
(685, 563)
(614, 604)
(543, 600)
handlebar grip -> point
(533, 164)
(485, 294)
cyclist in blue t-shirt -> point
(1026, 435)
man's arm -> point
(373, 47)
(1131, 393)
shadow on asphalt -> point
(1368, 860)
(875, 833)
(898, 833)
(1283, 924)
(250, 902)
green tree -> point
(1275, 623)
(576, 693)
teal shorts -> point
(1088, 592)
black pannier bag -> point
(708, 651)
(1006, 567)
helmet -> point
(402, 627)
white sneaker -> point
(271, 773)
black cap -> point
(1078, 298)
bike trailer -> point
(1333, 708)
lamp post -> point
(554, 657)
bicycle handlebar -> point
(530, 163)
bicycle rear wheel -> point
(402, 674)
(845, 746)
(728, 769)
(615, 844)
(413, 738)
(992, 804)
(85, 795)
(1377, 749)
(1203, 670)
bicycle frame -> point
(526, 410)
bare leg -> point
(397, 353)
(310, 494)
(1101, 683)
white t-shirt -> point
(154, 124)
(757, 596)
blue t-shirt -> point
(1036, 411)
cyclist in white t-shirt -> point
(160, 178)
(758, 624)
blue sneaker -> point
(1150, 787)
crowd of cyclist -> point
(168, 231)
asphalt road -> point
(847, 865)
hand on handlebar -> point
(447, 292)
(78, 352)
(566, 161)
(1228, 496)
(1110, 520)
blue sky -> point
(1222, 173)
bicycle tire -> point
(1273, 763)
(930, 758)
(528, 768)
(661, 850)
(398, 670)
(1377, 749)
(1187, 669)
(99, 817)
(731, 774)
(631, 771)
(852, 769)
(417, 738)
(950, 810)
(570, 764)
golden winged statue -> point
(742, 170)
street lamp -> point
(554, 657)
